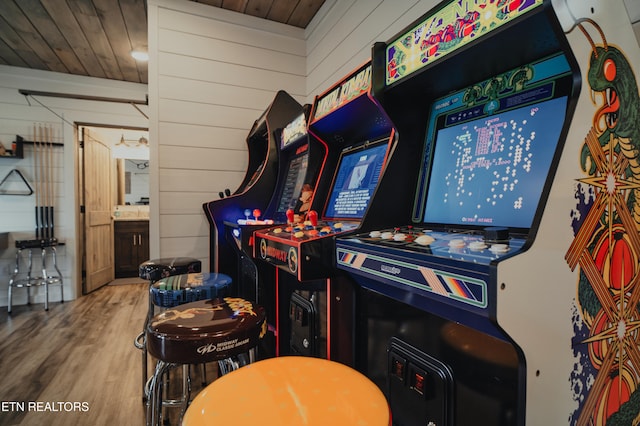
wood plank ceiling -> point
(95, 37)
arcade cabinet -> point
(300, 158)
(257, 187)
(509, 294)
(315, 306)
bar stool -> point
(176, 290)
(290, 390)
(154, 270)
(45, 279)
(198, 333)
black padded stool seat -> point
(219, 329)
(155, 269)
(177, 290)
(205, 331)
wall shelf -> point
(18, 150)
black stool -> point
(224, 330)
(152, 271)
(177, 290)
(45, 279)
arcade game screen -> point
(292, 189)
(491, 171)
(355, 181)
(295, 193)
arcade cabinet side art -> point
(606, 245)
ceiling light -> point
(140, 55)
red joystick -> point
(313, 217)
(256, 213)
(290, 215)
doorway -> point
(113, 164)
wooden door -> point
(98, 202)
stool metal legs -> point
(156, 385)
(186, 391)
(155, 388)
(50, 279)
(140, 343)
(31, 281)
(230, 364)
(16, 271)
(154, 394)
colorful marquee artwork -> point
(454, 25)
(606, 245)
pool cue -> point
(47, 182)
(45, 169)
(36, 179)
(51, 183)
(41, 172)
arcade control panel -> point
(302, 249)
(472, 247)
(241, 232)
(453, 265)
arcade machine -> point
(300, 158)
(258, 184)
(315, 306)
(509, 295)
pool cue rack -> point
(44, 218)
(45, 241)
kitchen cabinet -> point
(131, 245)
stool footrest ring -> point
(36, 281)
(139, 341)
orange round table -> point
(290, 390)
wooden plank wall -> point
(340, 38)
(17, 116)
(215, 73)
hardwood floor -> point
(75, 364)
